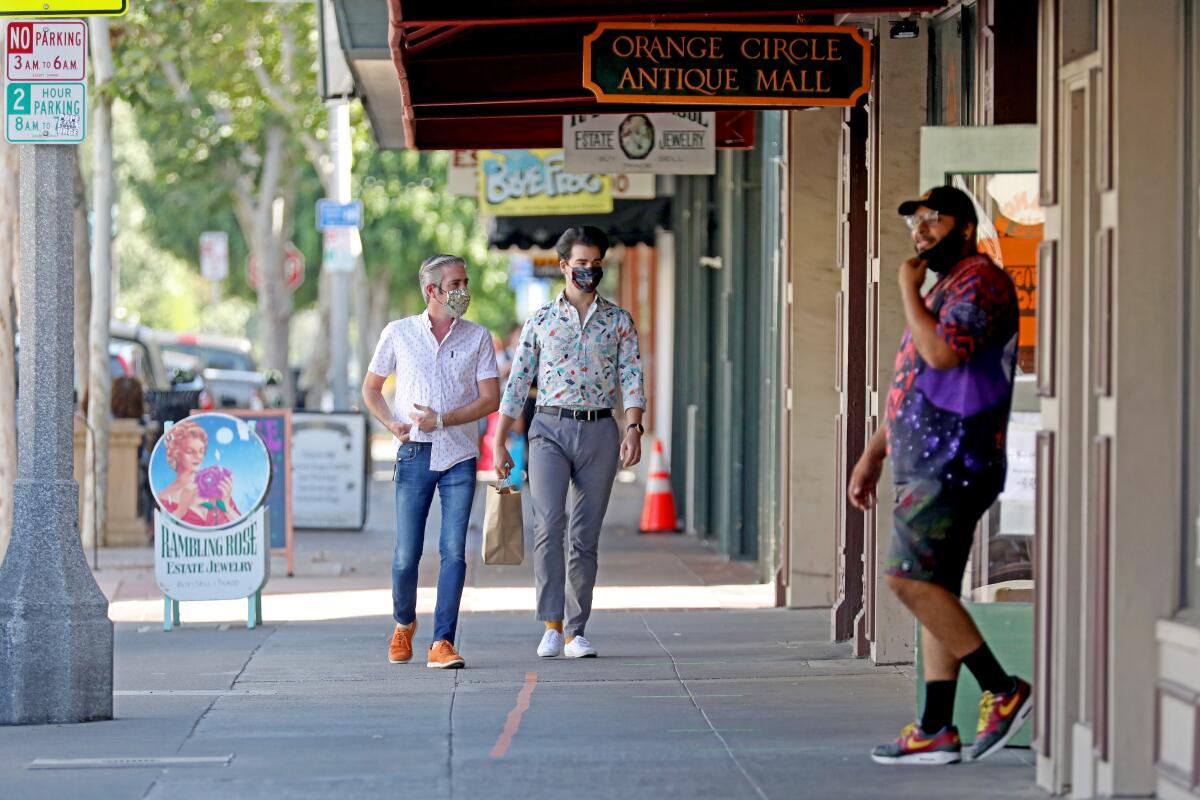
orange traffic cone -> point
(658, 512)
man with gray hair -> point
(446, 380)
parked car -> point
(171, 394)
(228, 368)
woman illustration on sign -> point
(199, 497)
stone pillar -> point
(125, 528)
(815, 280)
(56, 641)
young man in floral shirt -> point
(947, 417)
(583, 351)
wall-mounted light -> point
(905, 29)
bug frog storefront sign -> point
(727, 65)
(536, 182)
(209, 475)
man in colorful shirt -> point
(583, 351)
(446, 380)
(947, 417)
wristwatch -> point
(636, 426)
(440, 424)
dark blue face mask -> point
(586, 279)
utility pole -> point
(56, 641)
(341, 153)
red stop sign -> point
(293, 267)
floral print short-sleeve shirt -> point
(578, 365)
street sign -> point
(293, 267)
(332, 214)
(214, 255)
(64, 8)
(46, 51)
(45, 113)
(342, 248)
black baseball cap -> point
(945, 200)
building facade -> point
(775, 318)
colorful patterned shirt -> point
(580, 366)
(950, 425)
(440, 375)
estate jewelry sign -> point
(518, 183)
(754, 65)
(192, 564)
(663, 144)
(209, 476)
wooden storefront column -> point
(815, 481)
(899, 104)
(850, 380)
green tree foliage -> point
(410, 216)
(207, 79)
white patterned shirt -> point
(442, 376)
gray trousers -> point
(565, 454)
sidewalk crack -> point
(728, 750)
(232, 683)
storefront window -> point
(951, 71)
(1010, 230)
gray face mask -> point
(457, 301)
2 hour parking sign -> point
(45, 113)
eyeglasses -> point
(916, 220)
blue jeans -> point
(415, 484)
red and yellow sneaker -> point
(1000, 717)
(914, 746)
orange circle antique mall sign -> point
(728, 65)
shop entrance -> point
(998, 166)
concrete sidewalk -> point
(716, 704)
(346, 574)
(719, 703)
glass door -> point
(997, 166)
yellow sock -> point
(570, 639)
(554, 626)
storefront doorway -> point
(998, 166)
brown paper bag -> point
(503, 526)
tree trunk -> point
(10, 181)
(94, 516)
(83, 285)
(316, 371)
(274, 297)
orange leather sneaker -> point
(400, 650)
(442, 656)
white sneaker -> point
(579, 647)
(552, 644)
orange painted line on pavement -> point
(513, 724)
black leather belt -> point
(578, 416)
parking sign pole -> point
(339, 316)
(56, 641)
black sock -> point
(987, 670)
(939, 705)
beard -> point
(945, 255)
